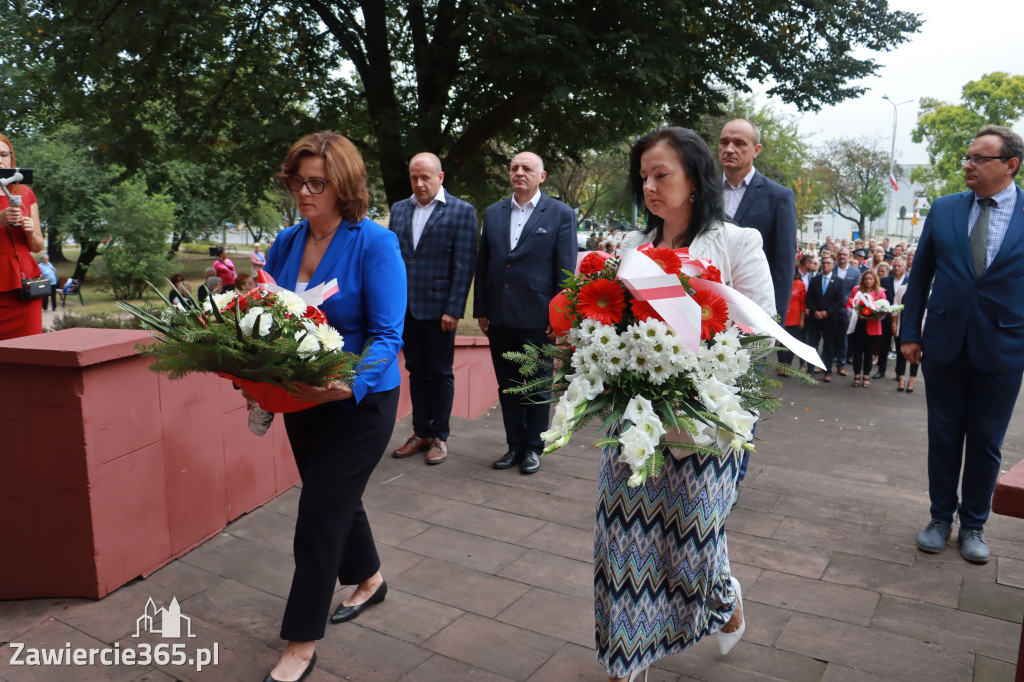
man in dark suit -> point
(971, 258)
(752, 200)
(890, 283)
(528, 242)
(825, 304)
(848, 277)
(437, 234)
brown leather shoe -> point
(438, 452)
(412, 446)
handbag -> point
(31, 287)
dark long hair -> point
(699, 165)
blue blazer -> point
(986, 313)
(515, 286)
(440, 270)
(370, 303)
(770, 208)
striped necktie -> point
(979, 238)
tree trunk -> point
(85, 259)
(55, 246)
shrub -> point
(95, 321)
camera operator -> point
(23, 238)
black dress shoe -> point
(347, 613)
(878, 375)
(508, 460)
(530, 463)
(305, 673)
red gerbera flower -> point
(316, 315)
(667, 259)
(714, 312)
(593, 262)
(601, 300)
(642, 310)
(712, 274)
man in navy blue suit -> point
(527, 243)
(752, 200)
(437, 234)
(971, 259)
(825, 305)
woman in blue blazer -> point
(338, 443)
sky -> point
(959, 42)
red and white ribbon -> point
(314, 297)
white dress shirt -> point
(734, 195)
(520, 214)
(421, 214)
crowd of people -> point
(828, 284)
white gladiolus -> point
(638, 409)
(714, 394)
(652, 428)
(635, 479)
(637, 446)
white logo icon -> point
(163, 622)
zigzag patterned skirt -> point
(661, 565)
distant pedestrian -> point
(50, 273)
(225, 269)
(256, 261)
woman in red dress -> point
(22, 238)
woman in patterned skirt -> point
(661, 565)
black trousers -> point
(786, 356)
(429, 356)
(824, 331)
(524, 419)
(52, 296)
(335, 450)
(863, 346)
(884, 344)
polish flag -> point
(895, 187)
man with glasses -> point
(970, 262)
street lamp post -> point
(892, 154)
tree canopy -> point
(854, 174)
(235, 82)
(996, 98)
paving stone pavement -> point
(491, 581)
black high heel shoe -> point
(347, 613)
(304, 675)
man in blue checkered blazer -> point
(437, 234)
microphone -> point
(17, 177)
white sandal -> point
(727, 640)
(635, 675)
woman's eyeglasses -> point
(294, 184)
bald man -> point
(526, 244)
(437, 235)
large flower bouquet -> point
(262, 340)
(868, 308)
(660, 359)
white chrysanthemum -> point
(329, 337)
(587, 327)
(605, 338)
(574, 338)
(638, 409)
(660, 370)
(292, 302)
(639, 360)
(308, 344)
(221, 300)
(249, 320)
(615, 360)
(653, 332)
(682, 356)
(588, 359)
(636, 447)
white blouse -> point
(737, 251)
